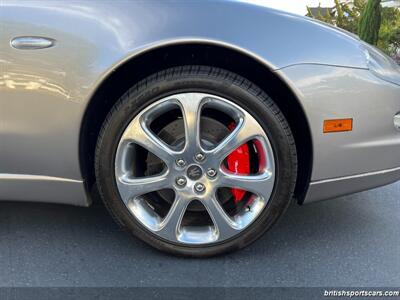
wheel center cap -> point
(194, 172)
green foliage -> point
(326, 16)
(348, 17)
(389, 34)
(370, 22)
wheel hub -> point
(194, 172)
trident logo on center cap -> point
(194, 172)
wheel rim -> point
(195, 171)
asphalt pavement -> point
(348, 241)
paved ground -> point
(350, 241)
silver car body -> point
(45, 93)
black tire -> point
(214, 81)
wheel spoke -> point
(177, 175)
(191, 109)
(246, 130)
(260, 185)
(169, 227)
(140, 134)
(223, 223)
(130, 188)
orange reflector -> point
(339, 125)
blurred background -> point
(374, 21)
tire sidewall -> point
(230, 87)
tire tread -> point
(206, 71)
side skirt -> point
(331, 188)
(37, 188)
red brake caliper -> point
(239, 163)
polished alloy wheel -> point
(173, 172)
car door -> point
(40, 104)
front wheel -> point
(196, 161)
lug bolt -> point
(181, 181)
(211, 172)
(199, 187)
(199, 157)
(180, 162)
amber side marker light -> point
(338, 125)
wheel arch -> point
(145, 63)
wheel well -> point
(143, 65)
